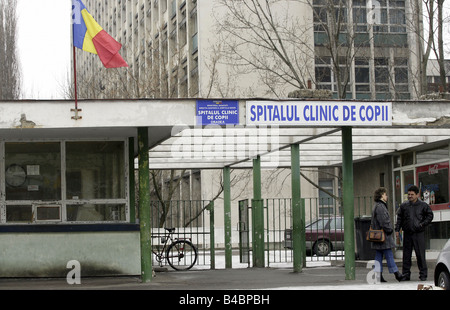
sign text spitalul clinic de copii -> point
(319, 113)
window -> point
(324, 78)
(433, 183)
(95, 212)
(362, 75)
(317, 225)
(94, 182)
(401, 75)
(407, 159)
(95, 170)
(47, 213)
(326, 202)
(19, 213)
(434, 155)
(337, 223)
(32, 171)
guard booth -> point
(64, 200)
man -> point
(413, 216)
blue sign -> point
(217, 112)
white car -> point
(442, 269)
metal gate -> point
(244, 232)
(324, 229)
(278, 231)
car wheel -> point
(322, 248)
(444, 280)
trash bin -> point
(364, 250)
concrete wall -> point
(47, 254)
(368, 176)
(371, 174)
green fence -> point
(323, 218)
(324, 228)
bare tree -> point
(440, 53)
(264, 36)
(10, 74)
(256, 36)
(430, 14)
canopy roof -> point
(198, 148)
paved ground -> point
(320, 278)
(262, 287)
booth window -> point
(92, 174)
(96, 212)
(95, 170)
(33, 171)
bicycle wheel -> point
(181, 255)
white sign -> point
(319, 113)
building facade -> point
(377, 58)
(182, 48)
(160, 44)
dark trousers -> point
(416, 241)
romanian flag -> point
(90, 37)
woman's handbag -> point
(374, 235)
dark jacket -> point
(413, 217)
(382, 220)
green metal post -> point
(212, 239)
(132, 181)
(257, 216)
(347, 201)
(144, 205)
(298, 220)
(227, 215)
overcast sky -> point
(44, 46)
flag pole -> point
(76, 110)
(75, 77)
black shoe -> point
(422, 278)
(401, 277)
(381, 278)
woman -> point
(382, 220)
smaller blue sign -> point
(217, 112)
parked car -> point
(325, 235)
(322, 236)
(442, 269)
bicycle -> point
(181, 254)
